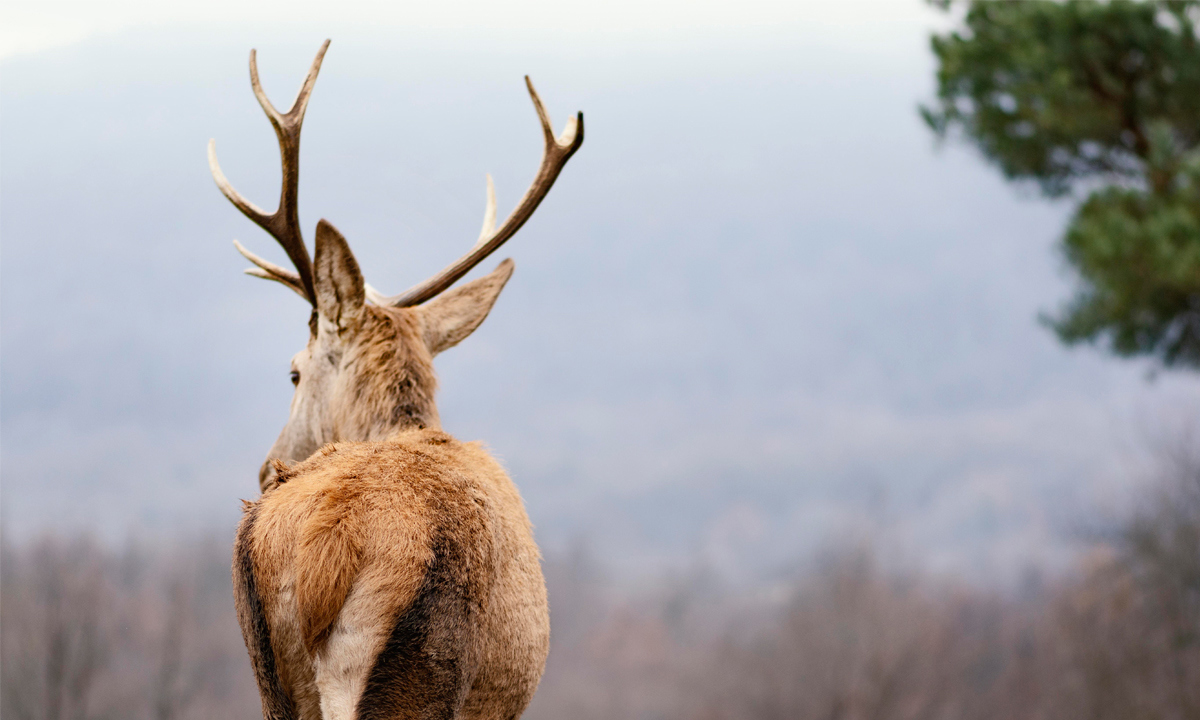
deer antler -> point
(554, 158)
(284, 223)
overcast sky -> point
(31, 26)
(760, 309)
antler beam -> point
(284, 223)
(554, 158)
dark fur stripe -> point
(277, 704)
(422, 670)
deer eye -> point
(295, 375)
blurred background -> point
(848, 371)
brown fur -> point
(418, 521)
(392, 573)
(327, 561)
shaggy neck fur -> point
(390, 382)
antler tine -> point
(554, 157)
(249, 209)
(300, 104)
(489, 213)
(270, 271)
(284, 223)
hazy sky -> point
(32, 26)
(760, 309)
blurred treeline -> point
(145, 631)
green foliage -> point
(1101, 97)
(1139, 255)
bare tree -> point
(148, 632)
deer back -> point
(395, 575)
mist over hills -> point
(758, 309)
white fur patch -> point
(343, 664)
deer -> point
(386, 569)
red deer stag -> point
(387, 570)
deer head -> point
(367, 370)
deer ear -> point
(450, 317)
(336, 278)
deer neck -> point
(391, 382)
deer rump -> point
(392, 579)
